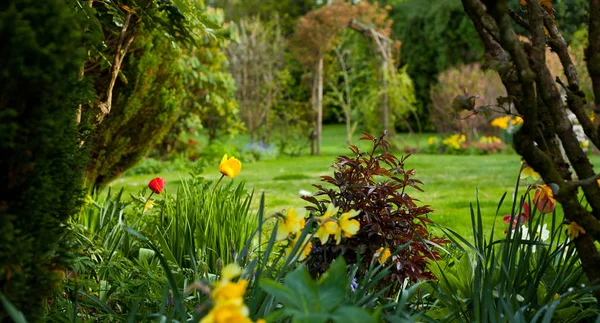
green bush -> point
(144, 109)
(41, 160)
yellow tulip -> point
(230, 167)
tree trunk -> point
(385, 102)
(319, 104)
(313, 134)
(348, 129)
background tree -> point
(146, 63)
(41, 159)
(439, 35)
(258, 64)
(315, 35)
(547, 130)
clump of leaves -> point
(375, 184)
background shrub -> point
(468, 80)
(41, 162)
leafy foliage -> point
(522, 276)
(375, 184)
(154, 91)
(41, 159)
(321, 301)
(210, 88)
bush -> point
(388, 216)
(39, 145)
(144, 109)
(471, 79)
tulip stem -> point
(219, 181)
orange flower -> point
(544, 199)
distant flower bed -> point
(458, 144)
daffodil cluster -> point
(490, 140)
(331, 225)
(289, 225)
(506, 122)
(228, 298)
(455, 141)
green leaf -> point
(12, 311)
(305, 288)
(281, 293)
(350, 314)
(332, 285)
(165, 248)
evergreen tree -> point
(41, 160)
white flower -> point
(304, 193)
(542, 232)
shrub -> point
(41, 161)
(374, 184)
(471, 79)
(143, 111)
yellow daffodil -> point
(528, 172)
(230, 167)
(348, 225)
(149, 204)
(291, 222)
(305, 248)
(516, 120)
(490, 140)
(555, 297)
(432, 140)
(226, 313)
(455, 141)
(382, 254)
(329, 225)
(228, 298)
(229, 291)
(500, 122)
(574, 229)
(504, 122)
(230, 272)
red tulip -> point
(157, 185)
(521, 219)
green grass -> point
(451, 182)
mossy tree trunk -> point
(536, 97)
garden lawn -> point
(451, 182)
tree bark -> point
(319, 104)
(527, 79)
